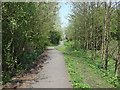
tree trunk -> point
(117, 64)
(105, 38)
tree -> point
(26, 28)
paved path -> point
(54, 73)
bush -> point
(54, 37)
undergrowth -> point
(26, 64)
(71, 55)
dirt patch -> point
(26, 78)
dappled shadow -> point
(26, 78)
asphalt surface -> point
(54, 73)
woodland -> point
(92, 38)
(95, 28)
(27, 28)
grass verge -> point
(86, 73)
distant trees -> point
(26, 27)
(93, 26)
(54, 37)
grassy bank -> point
(85, 72)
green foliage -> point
(79, 63)
(26, 27)
(25, 64)
(6, 77)
(29, 58)
(54, 37)
(76, 79)
(92, 28)
(85, 26)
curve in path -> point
(54, 73)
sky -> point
(64, 11)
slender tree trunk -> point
(117, 63)
(105, 38)
(93, 34)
